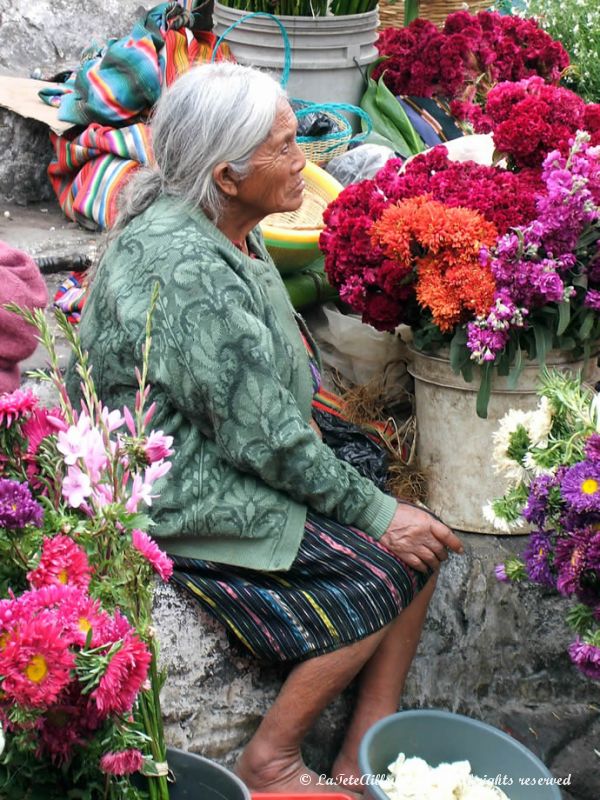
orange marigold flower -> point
(441, 247)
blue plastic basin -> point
(438, 736)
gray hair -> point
(213, 113)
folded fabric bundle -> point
(112, 94)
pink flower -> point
(126, 672)
(112, 419)
(16, 405)
(122, 763)
(139, 491)
(62, 561)
(42, 422)
(70, 723)
(76, 487)
(157, 446)
(156, 470)
(94, 453)
(71, 443)
(36, 662)
(159, 560)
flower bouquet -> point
(551, 460)
(79, 683)
(488, 264)
(470, 55)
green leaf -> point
(459, 353)
(381, 124)
(516, 369)
(587, 324)
(564, 317)
(543, 342)
(485, 390)
(389, 105)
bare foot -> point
(283, 772)
(346, 773)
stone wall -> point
(491, 651)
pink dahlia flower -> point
(159, 560)
(122, 763)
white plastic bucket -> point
(454, 445)
(328, 53)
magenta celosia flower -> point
(159, 560)
(62, 561)
(586, 657)
(16, 405)
(126, 672)
(122, 763)
(157, 446)
(35, 661)
(17, 506)
(76, 487)
(580, 486)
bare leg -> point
(382, 680)
(272, 761)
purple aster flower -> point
(17, 506)
(592, 447)
(535, 510)
(586, 657)
(580, 486)
(576, 559)
(537, 558)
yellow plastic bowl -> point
(292, 238)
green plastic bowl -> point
(438, 736)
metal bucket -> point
(454, 445)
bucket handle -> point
(287, 57)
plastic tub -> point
(438, 736)
(292, 238)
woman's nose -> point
(299, 161)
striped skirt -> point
(342, 586)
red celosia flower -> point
(35, 662)
(62, 561)
(465, 59)
(16, 405)
(126, 672)
(440, 246)
(122, 763)
(159, 560)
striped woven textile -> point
(112, 93)
(342, 586)
(89, 170)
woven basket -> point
(321, 149)
(391, 15)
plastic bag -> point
(354, 349)
(351, 444)
(360, 163)
(316, 124)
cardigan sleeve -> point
(216, 361)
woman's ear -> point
(224, 179)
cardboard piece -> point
(21, 96)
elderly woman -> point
(301, 557)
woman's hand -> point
(419, 539)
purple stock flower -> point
(17, 506)
(592, 299)
(580, 486)
(537, 559)
(586, 657)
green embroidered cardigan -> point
(231, 382)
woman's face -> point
(274, 183)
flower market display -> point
(495, 263)
(79, 683)
(550, 458)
